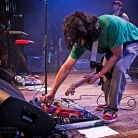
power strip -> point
(86, 124)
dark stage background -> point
(33, 22)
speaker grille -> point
(36, 63)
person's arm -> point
(60, 77)
(62, 74)
(117, 53)
(125, 17)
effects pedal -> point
(68, 103)
(38, 103)
(69, 113)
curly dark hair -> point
(80, 25)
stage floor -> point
(87, 94)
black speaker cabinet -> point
(18, 115)
(36, 64)
(10, 90)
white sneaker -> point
(128, 79)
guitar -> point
(71, 89)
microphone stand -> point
(45, 44)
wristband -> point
(100, 74)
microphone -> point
(17, 15)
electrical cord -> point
(38, 91)
(69, 131)
(132, 106)
(61, 120)
(59, 134)
(85, 95)
(128, 103)
(62, 133)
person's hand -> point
(92, 78)
(43, 107)
(70, 90)
(47, 99)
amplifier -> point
(36, 63)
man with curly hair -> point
(116, 37)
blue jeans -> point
(114, 87)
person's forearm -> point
(117, 53)
(61, 76)
(110, 64)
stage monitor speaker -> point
(6, 89)
(16, 114)
(36, 63)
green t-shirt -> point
(114, 31)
